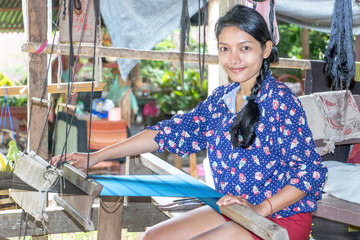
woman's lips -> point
(236, 70)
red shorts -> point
(298, 226)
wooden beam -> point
(52, 88)
(61, 222)
(87, 51)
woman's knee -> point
(153, 234)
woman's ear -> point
(267, 49)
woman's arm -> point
(142, 142)
(286, 197)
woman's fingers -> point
(55, 160)
(230, 199)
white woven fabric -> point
(343, 181)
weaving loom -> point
(36, 173)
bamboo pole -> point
(87, 51)
(52, 88)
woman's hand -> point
(230, 199)
(78, 160)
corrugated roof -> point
(11, 17)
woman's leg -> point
(186, 226)
(201, 223)
(229, 230)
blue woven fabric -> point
(158, 186)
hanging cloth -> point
(264, 8)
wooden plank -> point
(158, 165)
(252, 221)
(87, 51)
(339, 210)
(10, 220)
(52, 88)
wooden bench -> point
(333, 208)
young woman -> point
(259, 144)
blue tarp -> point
(141, 24)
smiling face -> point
(241, 55)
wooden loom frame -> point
(37, 60)
(37, 38)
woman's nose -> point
(235, 57)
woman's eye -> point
(245, 48)
(223, 49)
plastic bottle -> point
(80, 108)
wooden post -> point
(37, 74)
(110, 218)
(357, 48)
(305, 48)
(193, 166)
(224, 6)
(37, 19)
(211, 42)
(177, 162)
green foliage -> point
(13, 101)
(290, 42)
(172, 98)
(166, 77)
(290, 46)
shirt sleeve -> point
(302, 164)
(185, 134)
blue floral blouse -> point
(283, 152)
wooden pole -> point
(357, 48)
(305, 47)
(37, 19)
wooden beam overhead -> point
(52, 88)
(87, 51)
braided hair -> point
(250, 21)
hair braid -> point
(243, 130)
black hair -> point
(250, 21)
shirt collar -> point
(230, 97)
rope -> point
(202, 58)
(7, 110)
(184, 35)
(97, 15)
